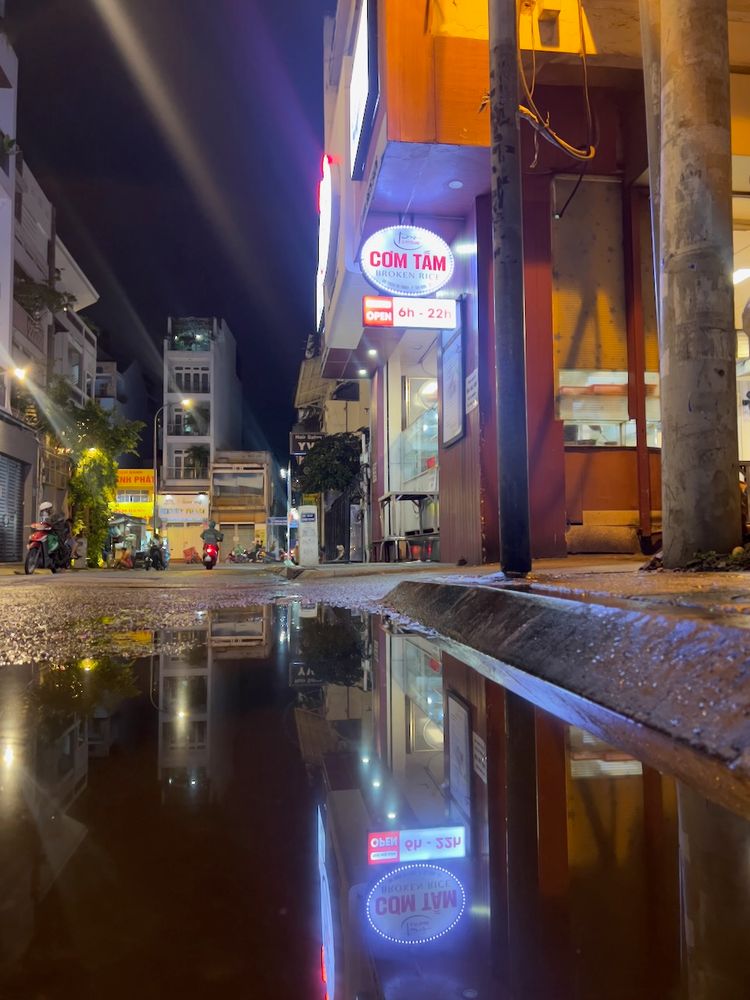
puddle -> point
(295, 801)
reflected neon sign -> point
(415, 904)
(433, 844)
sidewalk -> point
(658, 659)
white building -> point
(202, 415)
(18, 450)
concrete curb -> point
(674, 691)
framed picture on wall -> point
(459, 754)
(453, 389)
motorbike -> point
(156, 557)
(45, 550)
(210, 554)
(239, 557)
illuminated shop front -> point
(407, 135)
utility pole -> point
(650, 17)
(700, 489)
(507, 250)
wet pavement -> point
(291, 800)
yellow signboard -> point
(135, 479)
(144, 510)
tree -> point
(198, 456)
(332, 464)
(333, 649)
(94, 439)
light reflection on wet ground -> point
(294, 801)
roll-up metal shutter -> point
(11, 509)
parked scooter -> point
(45, 550)
(210, 554)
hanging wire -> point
(541, 123)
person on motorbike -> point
(59, 524)
(212, 535)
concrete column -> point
(701, 500)
(715, 878)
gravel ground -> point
(51, 618)
(56, 619)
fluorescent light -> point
(372, 353)
(742, 274)
(362, 373)
(464, 249)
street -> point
(47, 618)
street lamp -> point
(185, 404)
(286, 474)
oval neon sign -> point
(415, 904)
(407, 260)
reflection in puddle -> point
(314, 803)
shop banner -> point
(407, 260)
(187, 508)
(135, 479)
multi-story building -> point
(18, 450)
(242, 496)
(407, 133)
(201, 415)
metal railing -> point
(187, 430)
(183, 473)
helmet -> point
(212, 524)
(45, 506)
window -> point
(133, 496)
(193, 379)
(75, 361)
(419, 395)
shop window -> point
(420, 394)
(589, 317)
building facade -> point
(407, 151)
(37, 339)
(201, 415)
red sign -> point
(383, 848)
(377, 310)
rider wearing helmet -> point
(57, 521)
(212, 535)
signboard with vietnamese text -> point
(425, 314)
(415, 904)
(433, 844)
(302, 442)
(407, 260)
(135, 479)
(187, 508)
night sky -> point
(180, 141)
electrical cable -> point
(533, 115)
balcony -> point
(187, 430)
(183, 474)
(29, 328)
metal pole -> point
(507, 249)
(288, 506)
(651, 47)
(700, 486)
(156, 466)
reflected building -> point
(556, 854)
(193, 693)
(185, 662)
